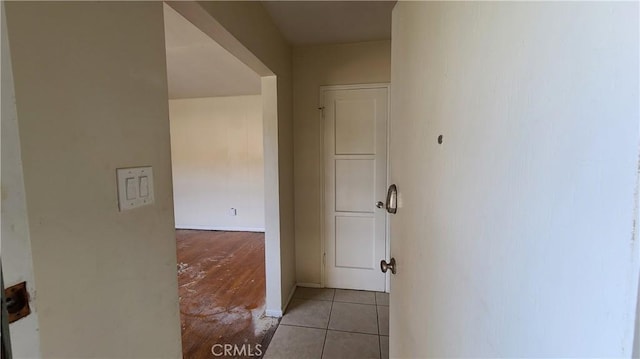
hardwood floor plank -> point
(221, 278)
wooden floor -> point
(221, 279)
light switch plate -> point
(135, 187)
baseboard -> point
(219, 228)
(309, 285)
(275, 313)
(291, 292)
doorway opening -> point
(218, 167)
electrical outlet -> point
(233, 212)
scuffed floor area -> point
(221, 280)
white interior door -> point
(517, 235)
(355, 148)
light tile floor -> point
(333, 323)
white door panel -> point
(355, 242)
(355, 126)
(355, 152)
(355, 180)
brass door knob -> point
(384, 266)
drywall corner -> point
(17, 264)
(271, 195)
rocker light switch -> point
(135, 187)
(132, 188)
(144, 186)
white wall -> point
(217, 162)
(91, 92)
(517, 237)
(314, 66)
(17, 264)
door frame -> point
(387, 244)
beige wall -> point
(217, 161)
(314, 66)
(91, 91)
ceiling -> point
(198, 67)
(324, 22)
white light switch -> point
(132, 188)
(144, 186)
(135, 187)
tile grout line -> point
(377, 321)
(324, 342)
(326, 332)
(337, 301)
(378, 325)
(333, 330)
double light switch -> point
(135, 187)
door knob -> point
(384, 266)
(380, 204)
